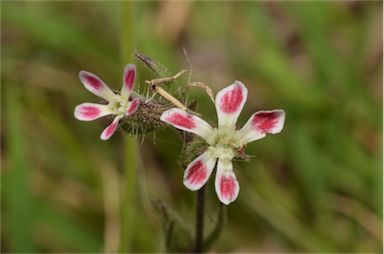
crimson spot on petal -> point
(89, 111)
(94, 82)
(230, 101)
(265, 121)
(197, 173)
(181, 120)
(129, 78)
(111, 129)
(133, 107)
(227, 187)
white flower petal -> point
(229, 103)
(95, 85)
(226, 185)
(199, 170)
(261, 123)
(108, 132)
(187, 122)
(91, 111)
(128, 80)
(132, 106)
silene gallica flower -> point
(119, 104)
(223, 141)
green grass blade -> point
(130, 146)
(19, 201)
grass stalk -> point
(17, 189)
(128, 195)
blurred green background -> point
(315, 187)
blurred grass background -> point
(316, 187)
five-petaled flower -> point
(118, 105)
(223, 141)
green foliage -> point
(19, 199)
(316, 187)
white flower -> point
(118, 105)
(223, 141)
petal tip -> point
(83, 74)
(230, 101)
(129, 76)
(224, 201)
(76, 112)
(280, 121)
(198, 171)
(190, 186)
(166, 113)
(179, 119)
(110, 130)
(269, 121)
(92, 82)
(133, 107)
(196, 174)
(239, 83)
(103, 138)
(130, 67)
(227, 187)
(87, 112)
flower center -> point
(222, 151)
(223, 136)
(119, 105)
(223, 142)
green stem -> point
(212, 238)
(128, 187)
(200, 206)
(20, 204)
